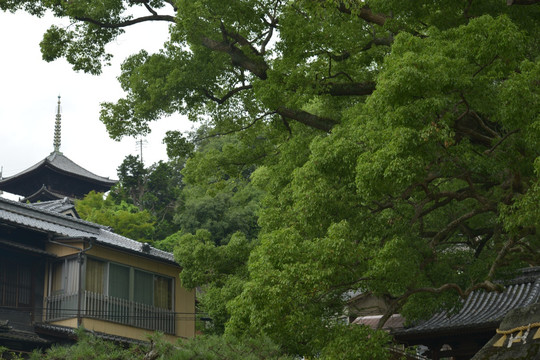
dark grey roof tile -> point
(483, 308)
(49, 221)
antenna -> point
(140, 144)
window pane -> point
(2, 280)
(162, 292)
(144, 288)
(10, 295)
(57, 281)
(72, 276)
(119, 281)
(95, 276)
(25, 284)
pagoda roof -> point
(37, 178)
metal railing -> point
(103, 307)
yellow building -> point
(58, 273)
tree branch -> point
(486, 285)
(236, 130)
(149, 8)
(257, 68)
(365, 13)
(349, 89)
(500, 141)
(228, 95)
(455, 223)
(127, 23)
(500, 256)
(324, 124)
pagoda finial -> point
(57, 128)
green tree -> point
(218, 271)
(396, 141)
(155, 189)
(92, 347)
(218, 195)
(132, 177)
(218, 222)
(125, 219)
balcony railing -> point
(103, 307)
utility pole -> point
(140, 144)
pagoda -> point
(55, 177)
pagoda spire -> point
(57, 128)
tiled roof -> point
(58, 206)
(22, 336)
(394, 322)
(25, 248)
(64, 331)
(40, 219)
(484, 309)
(60, 162)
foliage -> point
(226, 347)
(125, 219)
(155, 189)
(395, 143)
(90, 347)
(220, 271)
(131, 185)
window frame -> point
(132, 270)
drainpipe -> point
(80, 260)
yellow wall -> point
(121, 330)
(184, 300)
(72, 323)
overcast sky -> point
(29, 89)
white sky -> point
(29, 89)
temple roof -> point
(55, 177)
(482, 309)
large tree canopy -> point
(396, 141)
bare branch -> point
(501, 141)
(228, 95)
(149, 8)
(127, 23)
